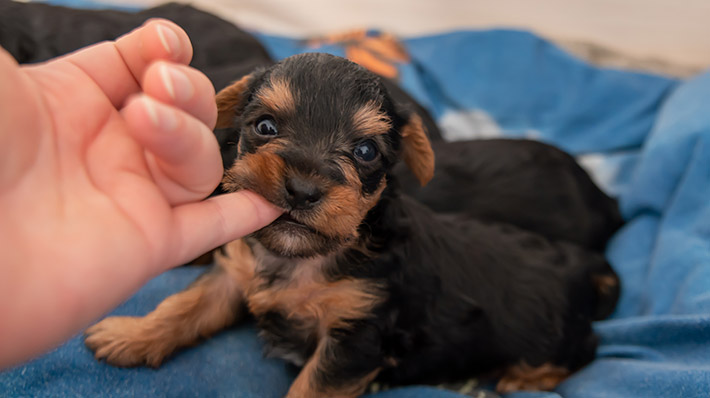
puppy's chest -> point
(299, 306)
(310, 300)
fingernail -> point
(168, 39)
(176, 83)
(159, 114)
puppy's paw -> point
(127, 341)
(527, 378)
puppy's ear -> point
(416, 149)
(229, 99)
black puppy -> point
(525, 183)
(357, 281)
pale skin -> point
(107, 156)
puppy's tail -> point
(608, 288)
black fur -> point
(465, 297)
(526, 183)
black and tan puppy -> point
(357, 281)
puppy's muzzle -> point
(302, 193)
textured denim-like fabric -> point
(228, 365)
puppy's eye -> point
(267, 127)
(366, 151)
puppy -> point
(357, 281)
(525, 183)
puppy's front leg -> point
(342, 366)
(211, 303)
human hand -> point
(107, 155)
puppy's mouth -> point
(287, 236)
(297, 232)
(289, 221)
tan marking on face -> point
(228, 99)
(338, 215)
(261, 172)
(369, 120)
(344, 207)
(416, 150)
(277, 96)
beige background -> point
(656, 32)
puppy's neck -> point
(275, 268)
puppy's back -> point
(525, 183)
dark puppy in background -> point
(357, 281)
(525, 183)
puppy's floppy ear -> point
(229, 99)
(416, 149)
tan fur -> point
(212, 302)
(369, 120)
(238, 262)
(525, 377)
(308, 297)
(605, 283)
(315, 302)
(227, 100)
(277, 96)
(416, 150)
(262, 171)
(209, 305)
(306, 386)
(339, 214)
(345, 207)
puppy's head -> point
(317, 136)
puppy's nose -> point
(302, 193)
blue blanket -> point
(645, 139)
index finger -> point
(202, 226)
